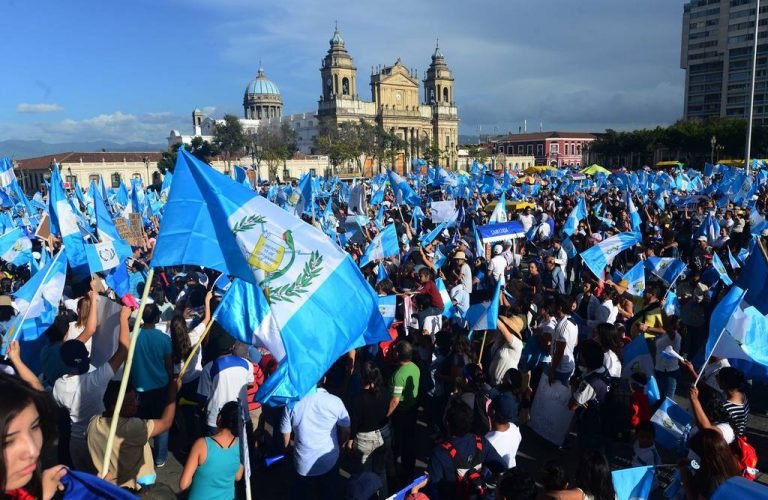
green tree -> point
(275, 147)
(168, 161)
(478, 154)
(202, 149)
(229, 138)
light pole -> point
(752, 88)
(146, 166)
(713, 143)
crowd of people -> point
(441, 391)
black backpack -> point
(470, 481)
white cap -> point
(497, 250)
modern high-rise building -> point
(717, 42)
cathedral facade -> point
(397, 103)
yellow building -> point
(395, 103)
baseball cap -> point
(505, 407)
(497, 249)
(74, 354)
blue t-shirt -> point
(148, 371)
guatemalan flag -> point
(387, 307)
(64, 224)
(484, 316)
(739, 331)
(634, 216)
(320, 304)
(578, 213)
(15, 247)
(638, 359)
(37, 302)
(499, 213)
(601, 255)
(636, 279)
(7, 176)
(717, 264)
(383, 245)
(635, 483)
(666, 268)
(403, 192)
(672, 425)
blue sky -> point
(132, 71)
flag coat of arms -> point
(318, 299)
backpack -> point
(470, 483)
(747, 457)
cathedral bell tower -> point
(338, 71)
(438, 83)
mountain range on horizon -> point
(22, 149)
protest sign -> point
(44, 229)
(501, 231)
(137, 229)
(550, 416)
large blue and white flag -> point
(64, 224)
(499, 213)
(578, 214)
(601, 255)
(717, 264)
(638, 359)
(635, 483)
(448, 307)
(106, 255)
(403, 192)
(212, 221)
(753, 279)
(636, 279)
(739, 487)
(666, 268)
(381, 273)
(387, 307)
(383, 245)
(7, 176)
(732, 260)
(37, 303)
(738, 331)
(634, 216)
(570, 248)
(672, 425)
(165, 188)
(709, 228)
(15, 247)
(485, 315)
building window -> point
(94, 178)
(510, 150)
(554, 148)
(539, 149)
(71, 179)
(116, 180)
(345, 86)
(445, 94)
(520, 149)
(578, 149)
(529, 149)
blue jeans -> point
(667, 382)
(152, 403)
(563, 377)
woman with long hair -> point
(714, 464)
(26, 418)
(370, 430)
(84, 326)
(594, 477)
(182, 340)
(214, 464)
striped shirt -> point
(738, 414)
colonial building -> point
(396, 102)
(549, 148)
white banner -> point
(550, 416)
(443, 211)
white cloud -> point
(38, 108)
(116, 127)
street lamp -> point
(713, 143)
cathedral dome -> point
(262, 85)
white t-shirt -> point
(506, 443)
(566, 331)
(465, 277)
(82, 395)
(507, 356)
(196, 365)
(497, 267)
(526, 221)
(663, 363)
(75, 331)
(224, 379)
(612, 364)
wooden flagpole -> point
(126, 373)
